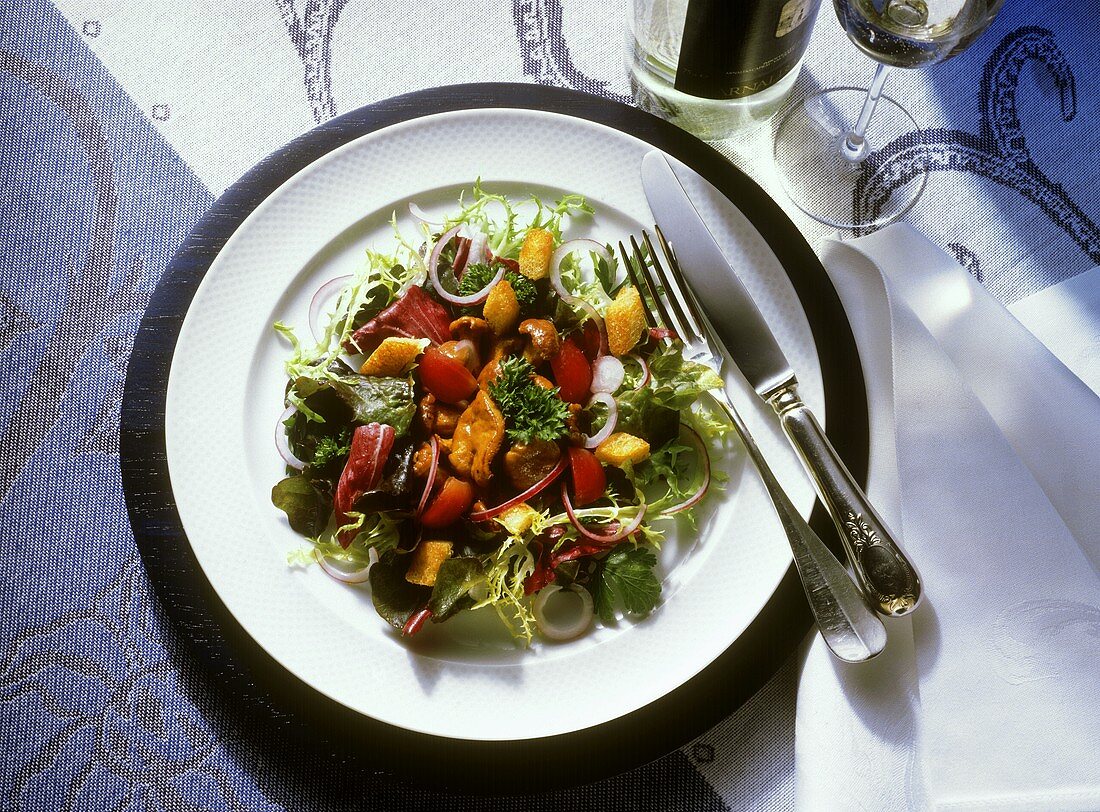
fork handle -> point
(887, 577)
(850, 629)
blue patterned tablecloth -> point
(121, 123)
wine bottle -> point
(712, 66)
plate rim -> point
(563, 759)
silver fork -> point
(850, 628)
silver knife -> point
(882, 570)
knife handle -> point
(851, 630)
(886, 576)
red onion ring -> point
(433, 274)
(493, 512)
(603, 538)
(567, 248)
(433, 468)
(645, 370)
(477, 251)
(421, 215)
(693, 500)
(608, 373)
(323, 293)
(609, 423)
(283, 444)
(572, 630)
(356, 577)
(564, 250)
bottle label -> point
(792, 15)
(735, 49)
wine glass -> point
(823, 143)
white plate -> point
(225, 391)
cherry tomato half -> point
(448, 506)
(445, 377)
(572, 372)
(589, 479)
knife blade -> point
(728, 304)
(887, 577)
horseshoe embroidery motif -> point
(311, 34)
(546, 56)
(999, 152)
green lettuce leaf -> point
(305, 508)
(395, 599)
(678, 383)
(364, 399)
(643, 415)
(653, 412)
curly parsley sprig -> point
(480, 274)
(530, 412)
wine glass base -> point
(819, 179)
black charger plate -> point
(322, 727)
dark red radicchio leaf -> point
(462, 256)
(510, 264)
(549, 558)
(414, 315)
(370, 447)
(543, 574)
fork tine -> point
(651, 320)
(666, 319)
(683, 289)
(684, 326)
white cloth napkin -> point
(986, 464)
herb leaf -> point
(530, 412)
(626, 577)
(330, 449)
(605, 274)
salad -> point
(483, 419)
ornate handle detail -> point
(887, 577)
(851, 630)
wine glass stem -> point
(853, 146)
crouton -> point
(625, 321)
(502, 308)
(426, 561)
(518, 519)
(392, 356)
(534, 254)
(620, 448)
